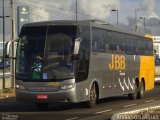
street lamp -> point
(144, 22)
(114, 10)
(76, 10)
(136, 10)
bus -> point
(81, 61)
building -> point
(156, 40)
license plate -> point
(42, 96)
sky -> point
(42, 10)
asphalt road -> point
(107, 107)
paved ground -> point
(58, 111)
(7, 80)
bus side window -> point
(107, 47)
(98, 43)
(150, 47)
(112, 47)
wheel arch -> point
(97, 87)
(137, 82)
(143, 81)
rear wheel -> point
(93, 96)
(42, 106)
(140, 93)
(133, 95)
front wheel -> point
(93, 97)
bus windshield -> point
(45, 53)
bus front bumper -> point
(68, 95)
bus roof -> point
(94, 23)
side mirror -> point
(8, 49)
(77, 46)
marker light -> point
(20, 87)
(67, 86)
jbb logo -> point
(117, 63)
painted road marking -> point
(149, 101)
(130, 105)
(103, 111)
(72, 118)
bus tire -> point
(42, 106)
(133, 95)
(92, 96)
(140, 93)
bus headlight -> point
(67, 86)
(20, 87)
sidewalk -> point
(8, 81)
(7, 93)
(141, 109)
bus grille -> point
(43, 89)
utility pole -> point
(3, 37)
(136, 26)
(77, 16)
(3, 45)
(13, 37)
(144, 23)
(76, 10)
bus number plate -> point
(42, 96)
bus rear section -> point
(147, 66)
(121, 63)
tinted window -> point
(59, 51)
(120, 43)
(98, 42)
(30, 46)
(83, 62)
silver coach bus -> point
(69, 61)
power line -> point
(70, 12)
(38, 10)
(35, 11)
(50, 7)
(5, 6)
(49, 10)
(59, 8)
(44, 17)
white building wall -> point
(156, 41)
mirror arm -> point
(76, 57)
(11, 57)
